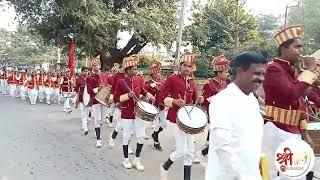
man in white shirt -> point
(236, 123)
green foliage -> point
(96, 23)
(307, 14)
(146, 60)
(22, 47)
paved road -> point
(41, 142)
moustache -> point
(258, 81)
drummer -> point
(220, 65)
(178, 90)
(153, 86)
(93, 86)
(236, 123)
(127, 92)
(284, 93)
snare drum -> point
(314, 130)
(145, 111)
(198, 121)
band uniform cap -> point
(288, 33)
(192, 58)
(132, 60)
(220, 63)
(95, 61)
(155, 68)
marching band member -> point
(153, 86)
(65, 87)
(284, 91)
(12, 83)
(33, 87)
(220, 65)
(3, 80)
(127, 92)
(79, 89)
(48, 84)
(236, 128)
(22, 85)
(178, 90)
(40, 83)
(112, 109)
(93, 86)
(115, 112)
(17, 82)
(104, 74)
(55, 80)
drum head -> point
(313, 126)
(147, 107)
(199, 117)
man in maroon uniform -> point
(153, 86)
(178, 90)
(220, 65)
(127, 92)
(284, 93)
(93, 86)
(80, 85)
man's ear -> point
(239, 71)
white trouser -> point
(66, 105)
(112, 108)
(184, 146)
(3, 86)
(48, 92)
(12, 90)
(41, 93)
(105, 111)
(130, 125)
(17, 92)
(117, 118)
(272, 138)
(160, 120)
(97, 112)
(33, 94)
(23, 91)
(84, 116)
(56, 95)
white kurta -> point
(236, 132)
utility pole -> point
(237, 27)
(179, 38)
(286, 14)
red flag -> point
(71, 57)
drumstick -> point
(184, 107)
(194, 104)
(134, 95)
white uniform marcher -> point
(236, 132)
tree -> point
(307, 14)
(96, 23)
(219, 26)
(22, 47)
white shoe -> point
(163, 174)
(99, 144)
(130, 151)
(111, 142)
(137, 164)
(126, 163)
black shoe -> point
(86, 133)
(157, 147)
(153, 135)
